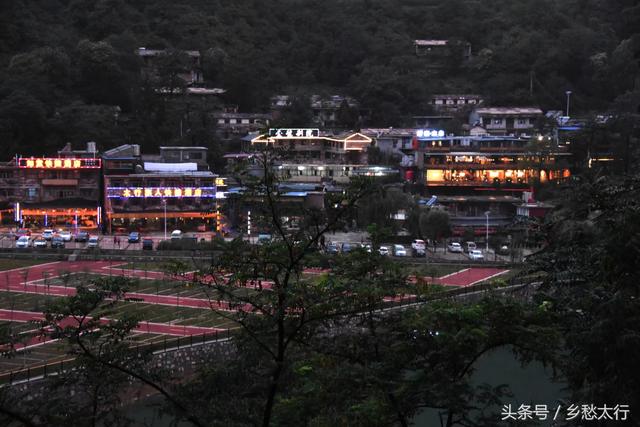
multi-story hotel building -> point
(61, 191)
(175, 187)
(513, 121)
(488, 161)
(474, 175)
(310, 155)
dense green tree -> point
(591, 283)
(435, 225)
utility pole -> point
(531, 84)
(164, 205)
(568, 93)
(487, 235)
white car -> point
(93, 242)
(384, 250)
(454, 247)
(65, 234)
(176, 234)
(23, 242)
(476, 255)
(47, 234)
(39, 242)
(418, 245)
(399, 250)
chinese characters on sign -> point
(294, 133)
(162, 192)
(55, 163)
(429, 133)
(571, 412)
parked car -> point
(23, 242)
(503, 250)
(454, 247)
(347, 247)
(147, 244)
(384, 250)
(418, 244)
(262, 238)
(399, 250)
(82, 236)
(176, 234)
(476, 255)
(93, 242)
(57, 242)
(65, 235)
(40, 242)
(332, 248)
(21, 232)
(134, 237)
(469, 246)
(367, 247)
(47, 234)
(419, 252)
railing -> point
(45, 370)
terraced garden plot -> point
(24, 302)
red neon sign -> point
(57, 163)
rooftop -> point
(181, 147)
(509, 110)
(143, 51)
(456, 96)
(431, 42)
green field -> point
(10, 263)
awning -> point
(58, 212)
(154, 215)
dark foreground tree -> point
(592, 283)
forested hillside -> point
(65, 64)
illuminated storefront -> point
(57, 192)
(57, 163)
(309, 145)
(509, 162)
(189, 201)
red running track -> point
(469, 276)
(143, 327)
(169, 300)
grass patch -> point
(10, 264)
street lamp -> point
(164, 205)
(568, 93)
(487, 230)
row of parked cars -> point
(396, 250)
(59, 238)
(468, 247)
(55, 238)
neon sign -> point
(56, 163)
(294, 133)
(429, 133)
(162, 192)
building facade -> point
(313, 146)
(455, 103)
(61, 191)
(143, 192)
(507, 120)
